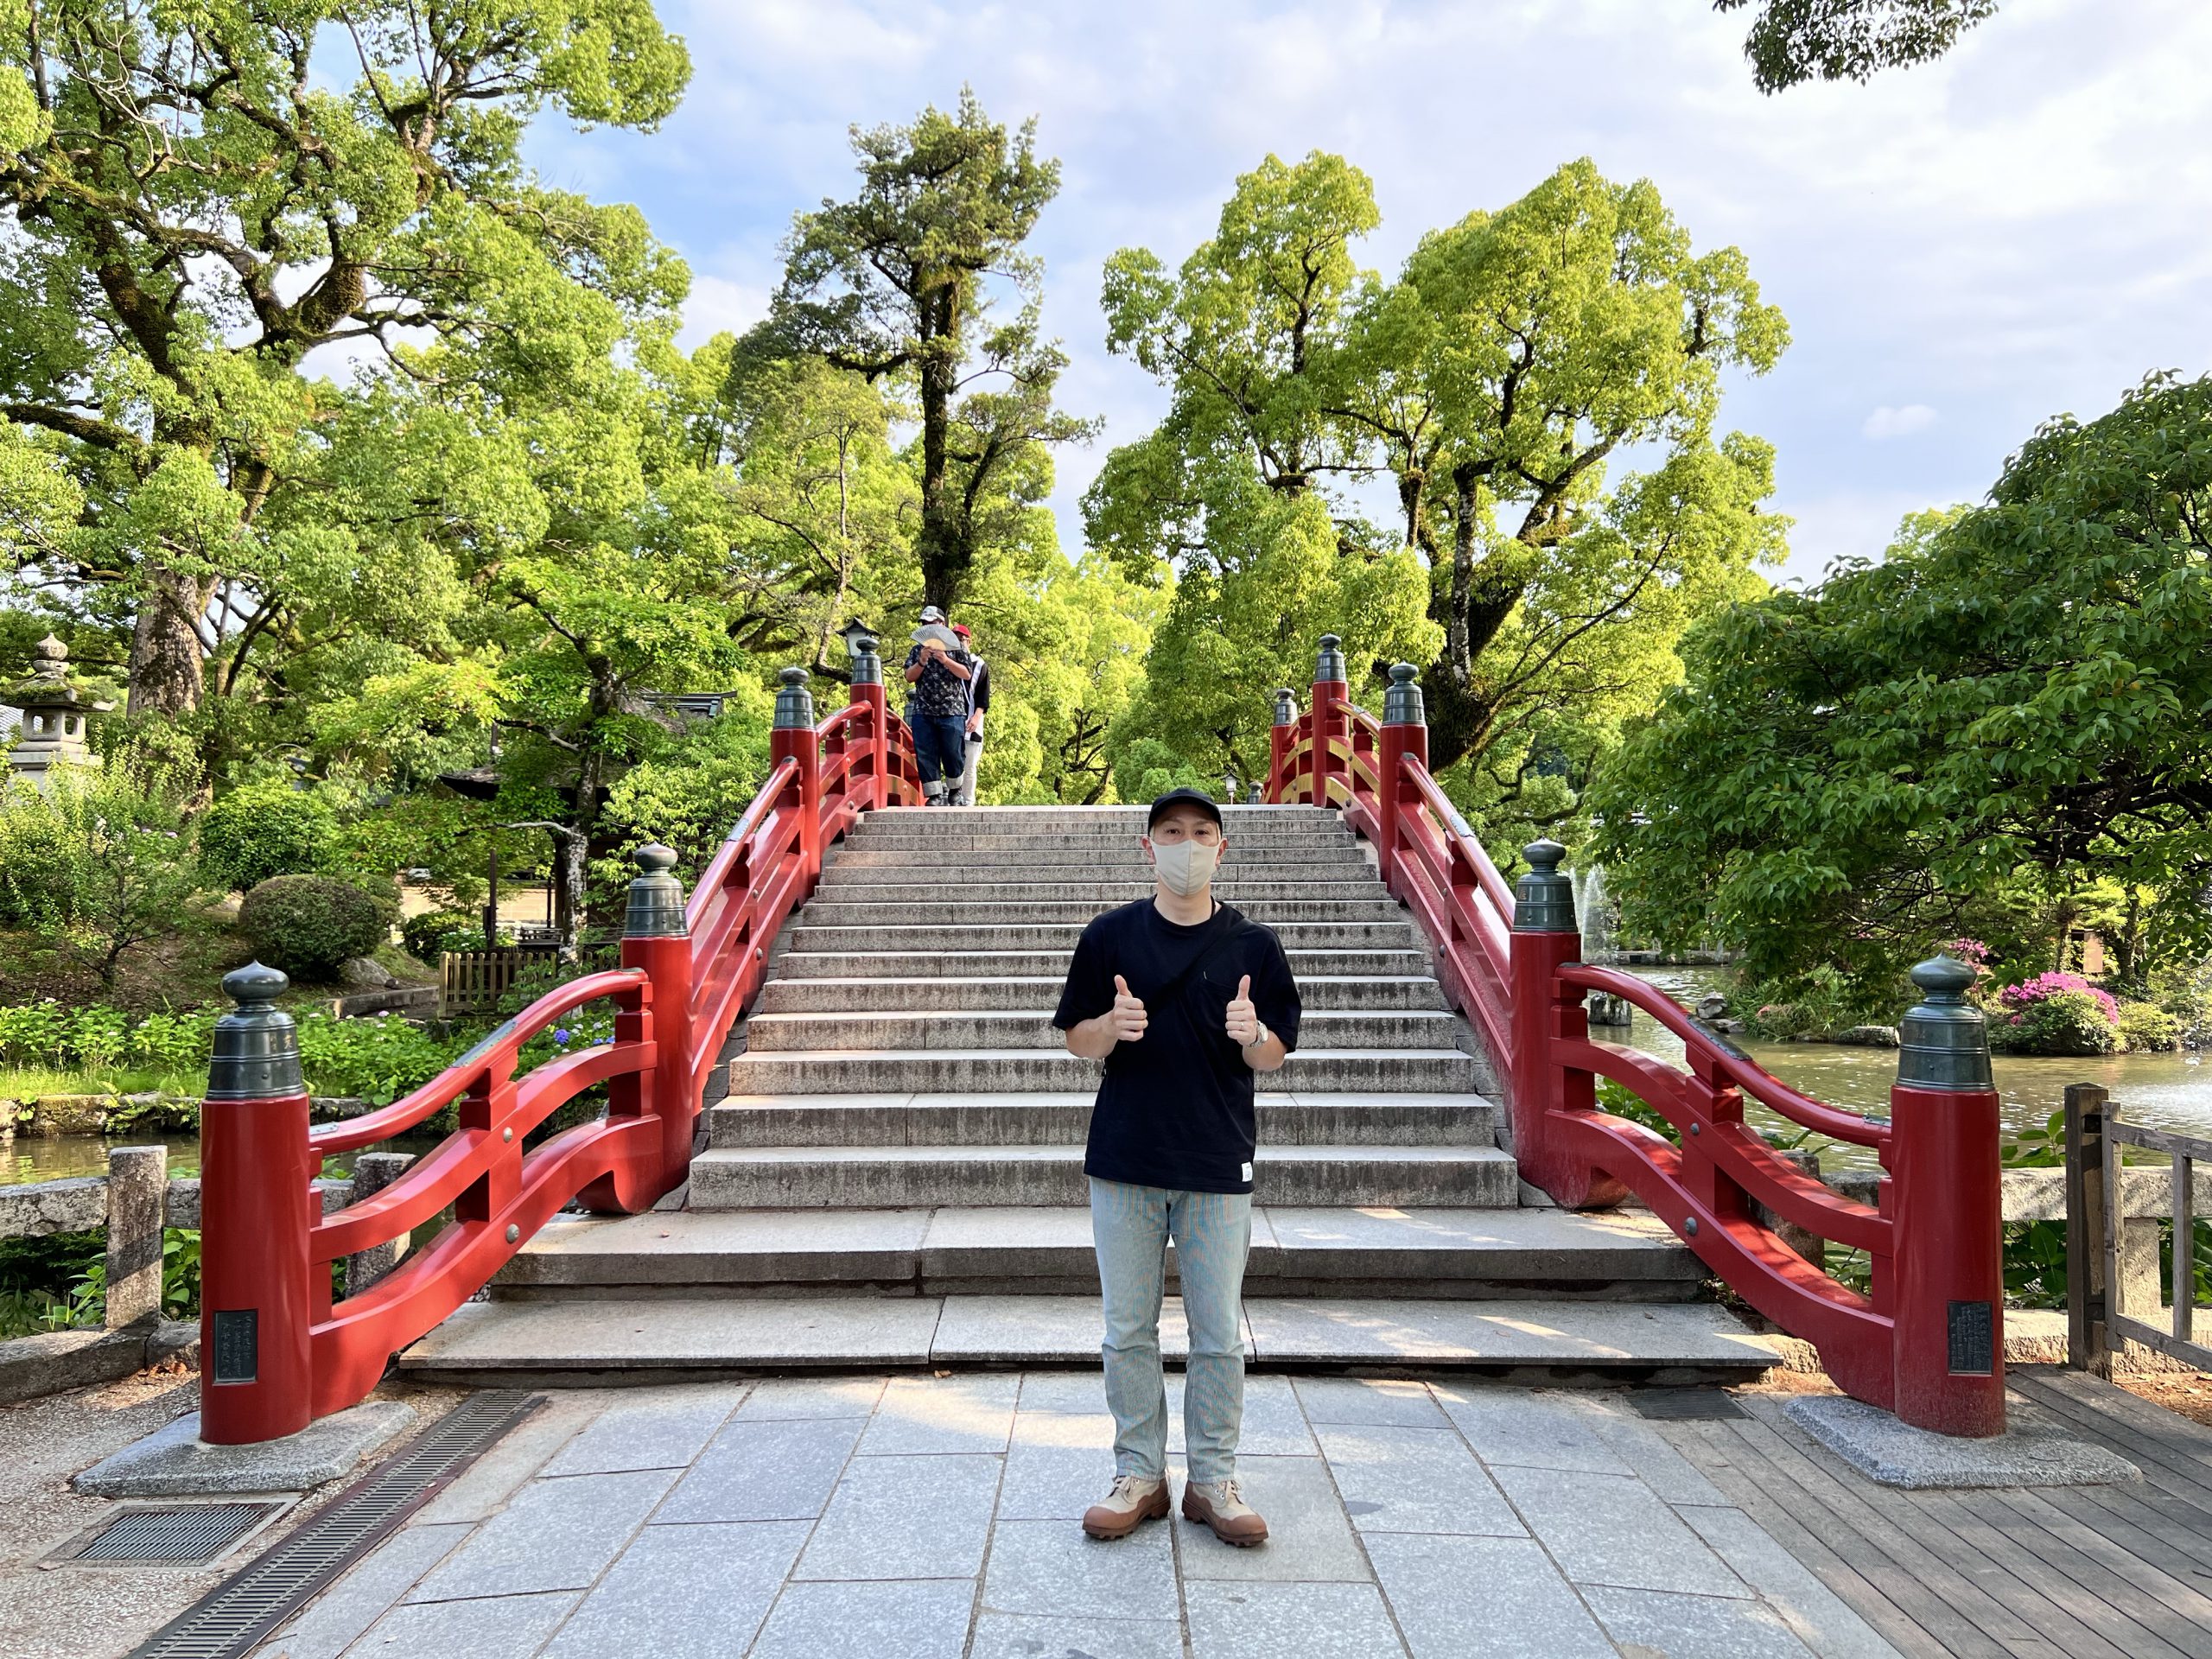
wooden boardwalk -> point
(2055, 1572)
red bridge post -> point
(657, 938)
(1545, 934)
(791, 737)
(255, 1207)
(1329, 721)
(1280, 738)
(867, 689)
(1945, 1177)
(1404, 732)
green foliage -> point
(2146, 1029)
(2006, 707)
(54, 1282)
(1622, 1102)
(308, 924)
(1818, 1003)
(58, 1281)
(892, 284)
(2034, 1263)
(157, 328)
(375, 1059)
(263, 829)
(433, 932)
(95, 861)
(1515, 352)
(2068, 1022)
(1793, 41)
(96, 1038)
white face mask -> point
(1184, 866)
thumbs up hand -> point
(1125, 1021)
(1243, 1022)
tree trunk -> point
(166, 673)
(942, 568)
(2130, 938)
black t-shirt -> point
(1175, 1108)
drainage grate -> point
(230, 1620)
(1685, 1405)
(196, 1533)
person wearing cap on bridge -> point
(1184, 999)
(979, 704)
(938, 669)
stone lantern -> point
(56, 717)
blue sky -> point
(1961, 249)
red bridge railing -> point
(1926, 1338)
(277, 1350)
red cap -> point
(960, 628)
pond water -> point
(28, 1158)
(2164, 1090)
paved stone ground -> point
(921, 1516)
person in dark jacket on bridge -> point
(937, 707)
(1184, 1001)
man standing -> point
(979, 703)
(1184, 999)
(937, 708)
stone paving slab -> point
(912, 1516)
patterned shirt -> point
(939, 691)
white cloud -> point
(1888, 422)
(2013, 231)
(718, 305)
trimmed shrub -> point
(308, 924)
(2146, 1029)
(2059, 1022)
(437, 930)
(264, 829)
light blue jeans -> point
(1212, 1231)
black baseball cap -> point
(1197, 798)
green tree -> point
(97, 861)
(2010, 706)
(1517, 354)
(824, 505)
(1793, 41)
(893, 284)
(194, 211)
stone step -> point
(1090, 894)
(1032, 1028)
(825, 994)
(1236, 819)
(1022, 1071)
(1315, 1251)
(815, 938)
(914, 866)
(872, 960)
(933, 910)
(1047, 1119)
(1048, 847)
(900, 1178)
(1122, 811)
(542, 1344)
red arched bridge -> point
(1925, 1339)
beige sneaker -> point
(1133, 1501)
(1222, 1507)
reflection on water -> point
(2164, 1090)
(27, 1159)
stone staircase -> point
(895, 1174)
